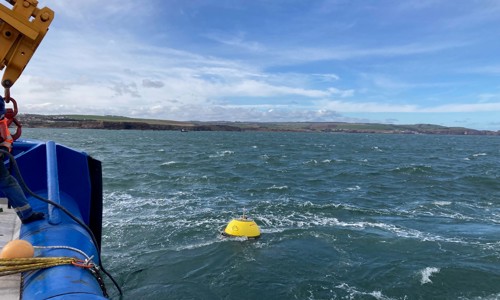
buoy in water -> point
(17, 249)
(242, 227)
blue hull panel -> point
(72, 179)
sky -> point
(381, 61)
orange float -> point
(17, 249)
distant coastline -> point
(125, 123)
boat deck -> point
(9, 230)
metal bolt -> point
(45, 16)
(7, 83)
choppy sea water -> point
(343, 216)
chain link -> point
(95, 271)
(7, 95)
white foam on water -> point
(495, 247)
(279, 224)
(294, 221)
(197, 245)
(275, 187)
(490, 297)
(272, 230)
(270, 223)
(442, 203)
(457, 216)
(267, 220)
(427, 273)
(479, 154)
(221, 153)
(306, 204)
(355, 188)
(355, 293)
(312, 161)
(168, 163)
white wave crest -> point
(354, 188)
(197, 245)
(311, 161)
(479, 154)
(427, 273)
(221, 153)
(442, 203)
(355, 293)
(276, 187)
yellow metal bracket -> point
(22, 29)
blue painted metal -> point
(53, 183)
(61, 174)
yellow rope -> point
(9, 266)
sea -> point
(342, 216)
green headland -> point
(126, 123)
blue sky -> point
(402, 62)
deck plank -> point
(9, 230)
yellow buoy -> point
(17, 249)
(242, 227)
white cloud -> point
(99, 58)
(327, 77)
(97, 75)
(465, 107)
(237, 40)
(86, 12)
(350, 107)
(375, 107)
(152, 83)
(310, 54)
(122, 77)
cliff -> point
(125, 123)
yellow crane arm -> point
(22, 29)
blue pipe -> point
(53, 183)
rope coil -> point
(9, 266)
